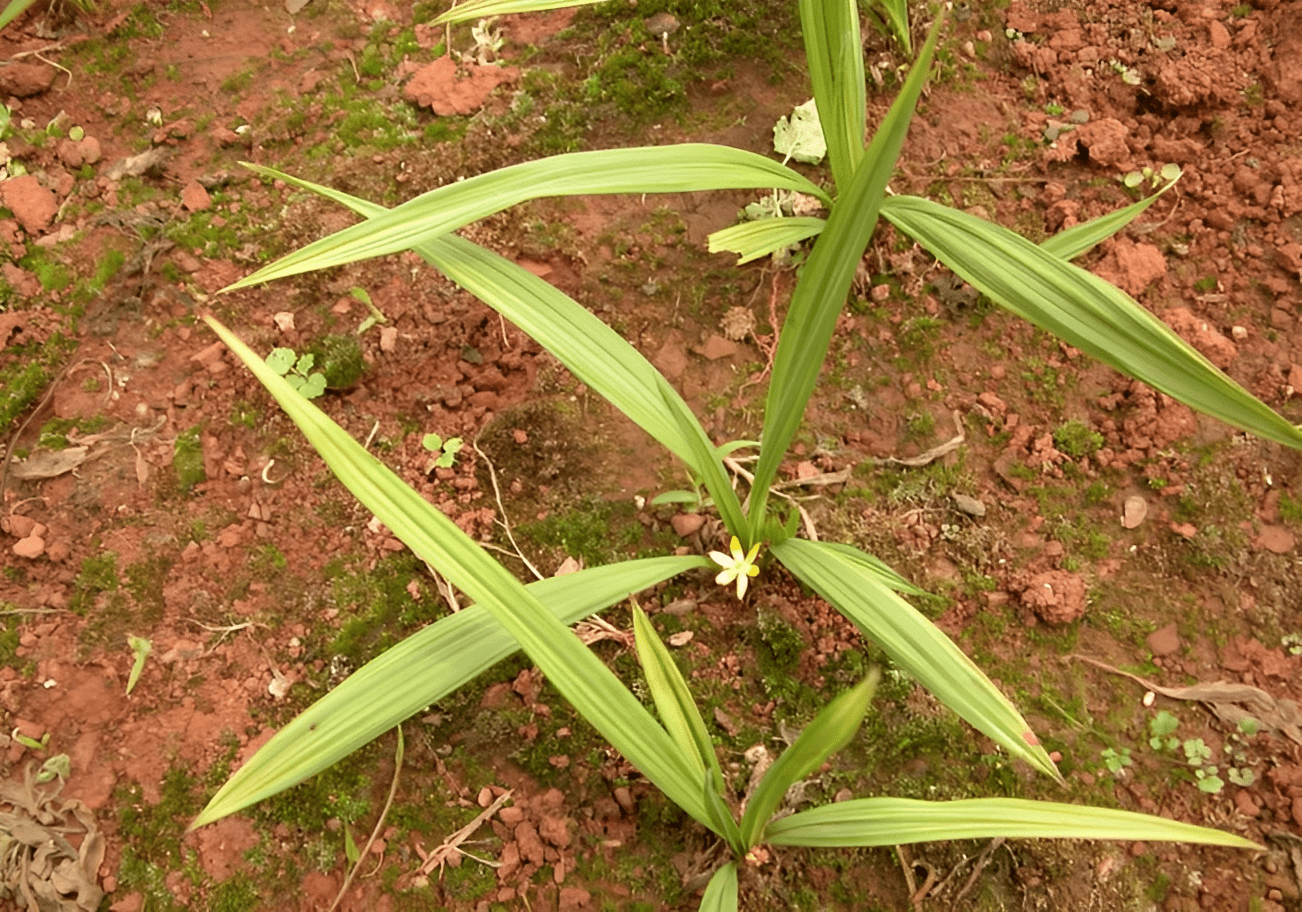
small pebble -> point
(972, 506)
(1133, 513)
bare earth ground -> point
(1117, 531)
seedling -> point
(1154, 179)
(1129, 75)
(29, 742)
(1160, 727)
(376, 316)
(296, 371)
(140, 648)
(57, 766)
(446, 451)
(1292, 642)
(1117, 762)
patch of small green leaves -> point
(445, 451)
(297, 371)
(1077, 439)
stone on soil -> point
(686, 524)
(1134, 511)
(1165, 641)
(23, 80)
(31, 547)
(33, 205)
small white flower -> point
(739, 566)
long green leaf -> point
(1077, 239)
(575, 671)
(678, 711)
(420, 670)
(914, 643)
(825, 282)
(706, 459)
(830, 731)
(1084, 311)
(651, 169)
(721, 819)
(483, 9)
(752, 240)
(721, 891)
(593, 352)
(834, 53)
(896, 821)
(13, 10)
(878, 567)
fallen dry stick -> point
(452, 845)
(1231, 703)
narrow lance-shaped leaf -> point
(829, 29)
(422, 669)
(898, 821)
(483, 9)
(752, 240)
(721, 819)
(824, 284)
(592, 351)
(654, 169)
(706, 460)
(914, 643)
(1084, 311)
(678, 711)
(830, 731)
(575, 671)
(1072, 242)
(721, 891)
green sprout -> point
(1116, 762)
(296, 370)
(140, 648)
(375, 316)
(1160, 727)
(446, 449)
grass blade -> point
(13, 10)
(914, 643)
(752, 240)
(577, 673)
(721, 817)
(834, 53)
(422, 669)
(896, 821)
(650, 169)
(830, 731)
(482, 9)
(1077, 239)
(825, 282)
(1084, 311)
(590, 349)
(678, 711)
(721, 891)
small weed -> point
(99, 573)
(297, 371)
(445, 450)
(187, 459)
(1116, 762)
(1077, 439)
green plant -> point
(1037, 282)
(445, 451)
(1116, 761)
(1154, 179)
(297, 371)
(1076, 439)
